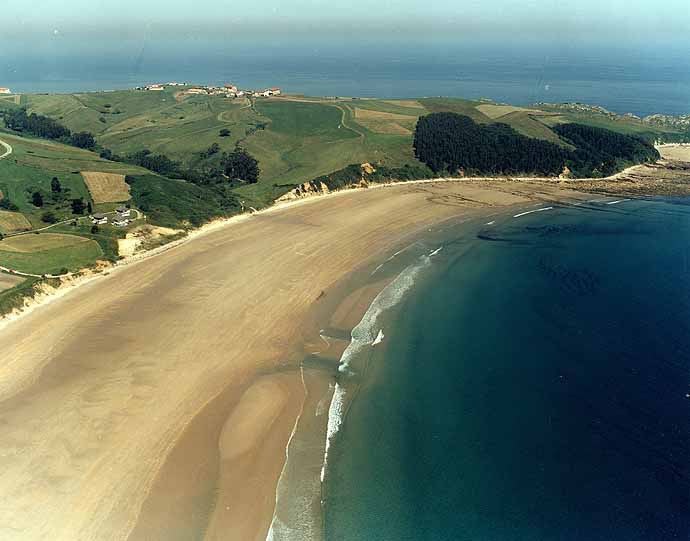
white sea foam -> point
(363, 335)
(617, 201)
(325, 338)
(531, 211)
(437, 250)
(492, 222)
(276, 524)
(392, 257)
(379, 338)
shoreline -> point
(43, 297)
(146, 356)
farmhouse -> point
(123, 212)
(196, 91)
(275, 91)
(230, 87)
(99, 219)
(4, 90)
(120, 223)
(155, 87)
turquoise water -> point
(532, 385)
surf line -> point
(393, 257)
(379, 338)
(617, 201)
(531, 211)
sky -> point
(297, 19)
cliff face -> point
(315, 187)
(307, 189)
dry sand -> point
(156, 402)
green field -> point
(48, 252)
(294, 141)
(33, 164)
(294, 138)
(300, 119)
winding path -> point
(8, 150)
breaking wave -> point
(365, 335)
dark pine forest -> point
(452, 143)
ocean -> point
(524, 377)
(643, 79)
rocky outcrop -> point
(307, 189)
(318, 187)
(566, 173)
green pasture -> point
(49, 258)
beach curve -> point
(97, 387)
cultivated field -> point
(106, 187)
(11, 222)
(33, 164)
(406, 103)
(383, 122)
(494, 111)
(14, 99)
(8, 281)
(48, 252)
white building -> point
(4, 90)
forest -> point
(47, 128)
(455, 144)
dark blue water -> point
(637, 78)
(533, 385)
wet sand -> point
(160, 399)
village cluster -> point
(228, 90)
(121, 218)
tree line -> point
(47, 128)
(453, 143)
(600, 152)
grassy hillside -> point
(174, 203)
(294, 138)
(34, 163)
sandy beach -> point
(156, 402)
